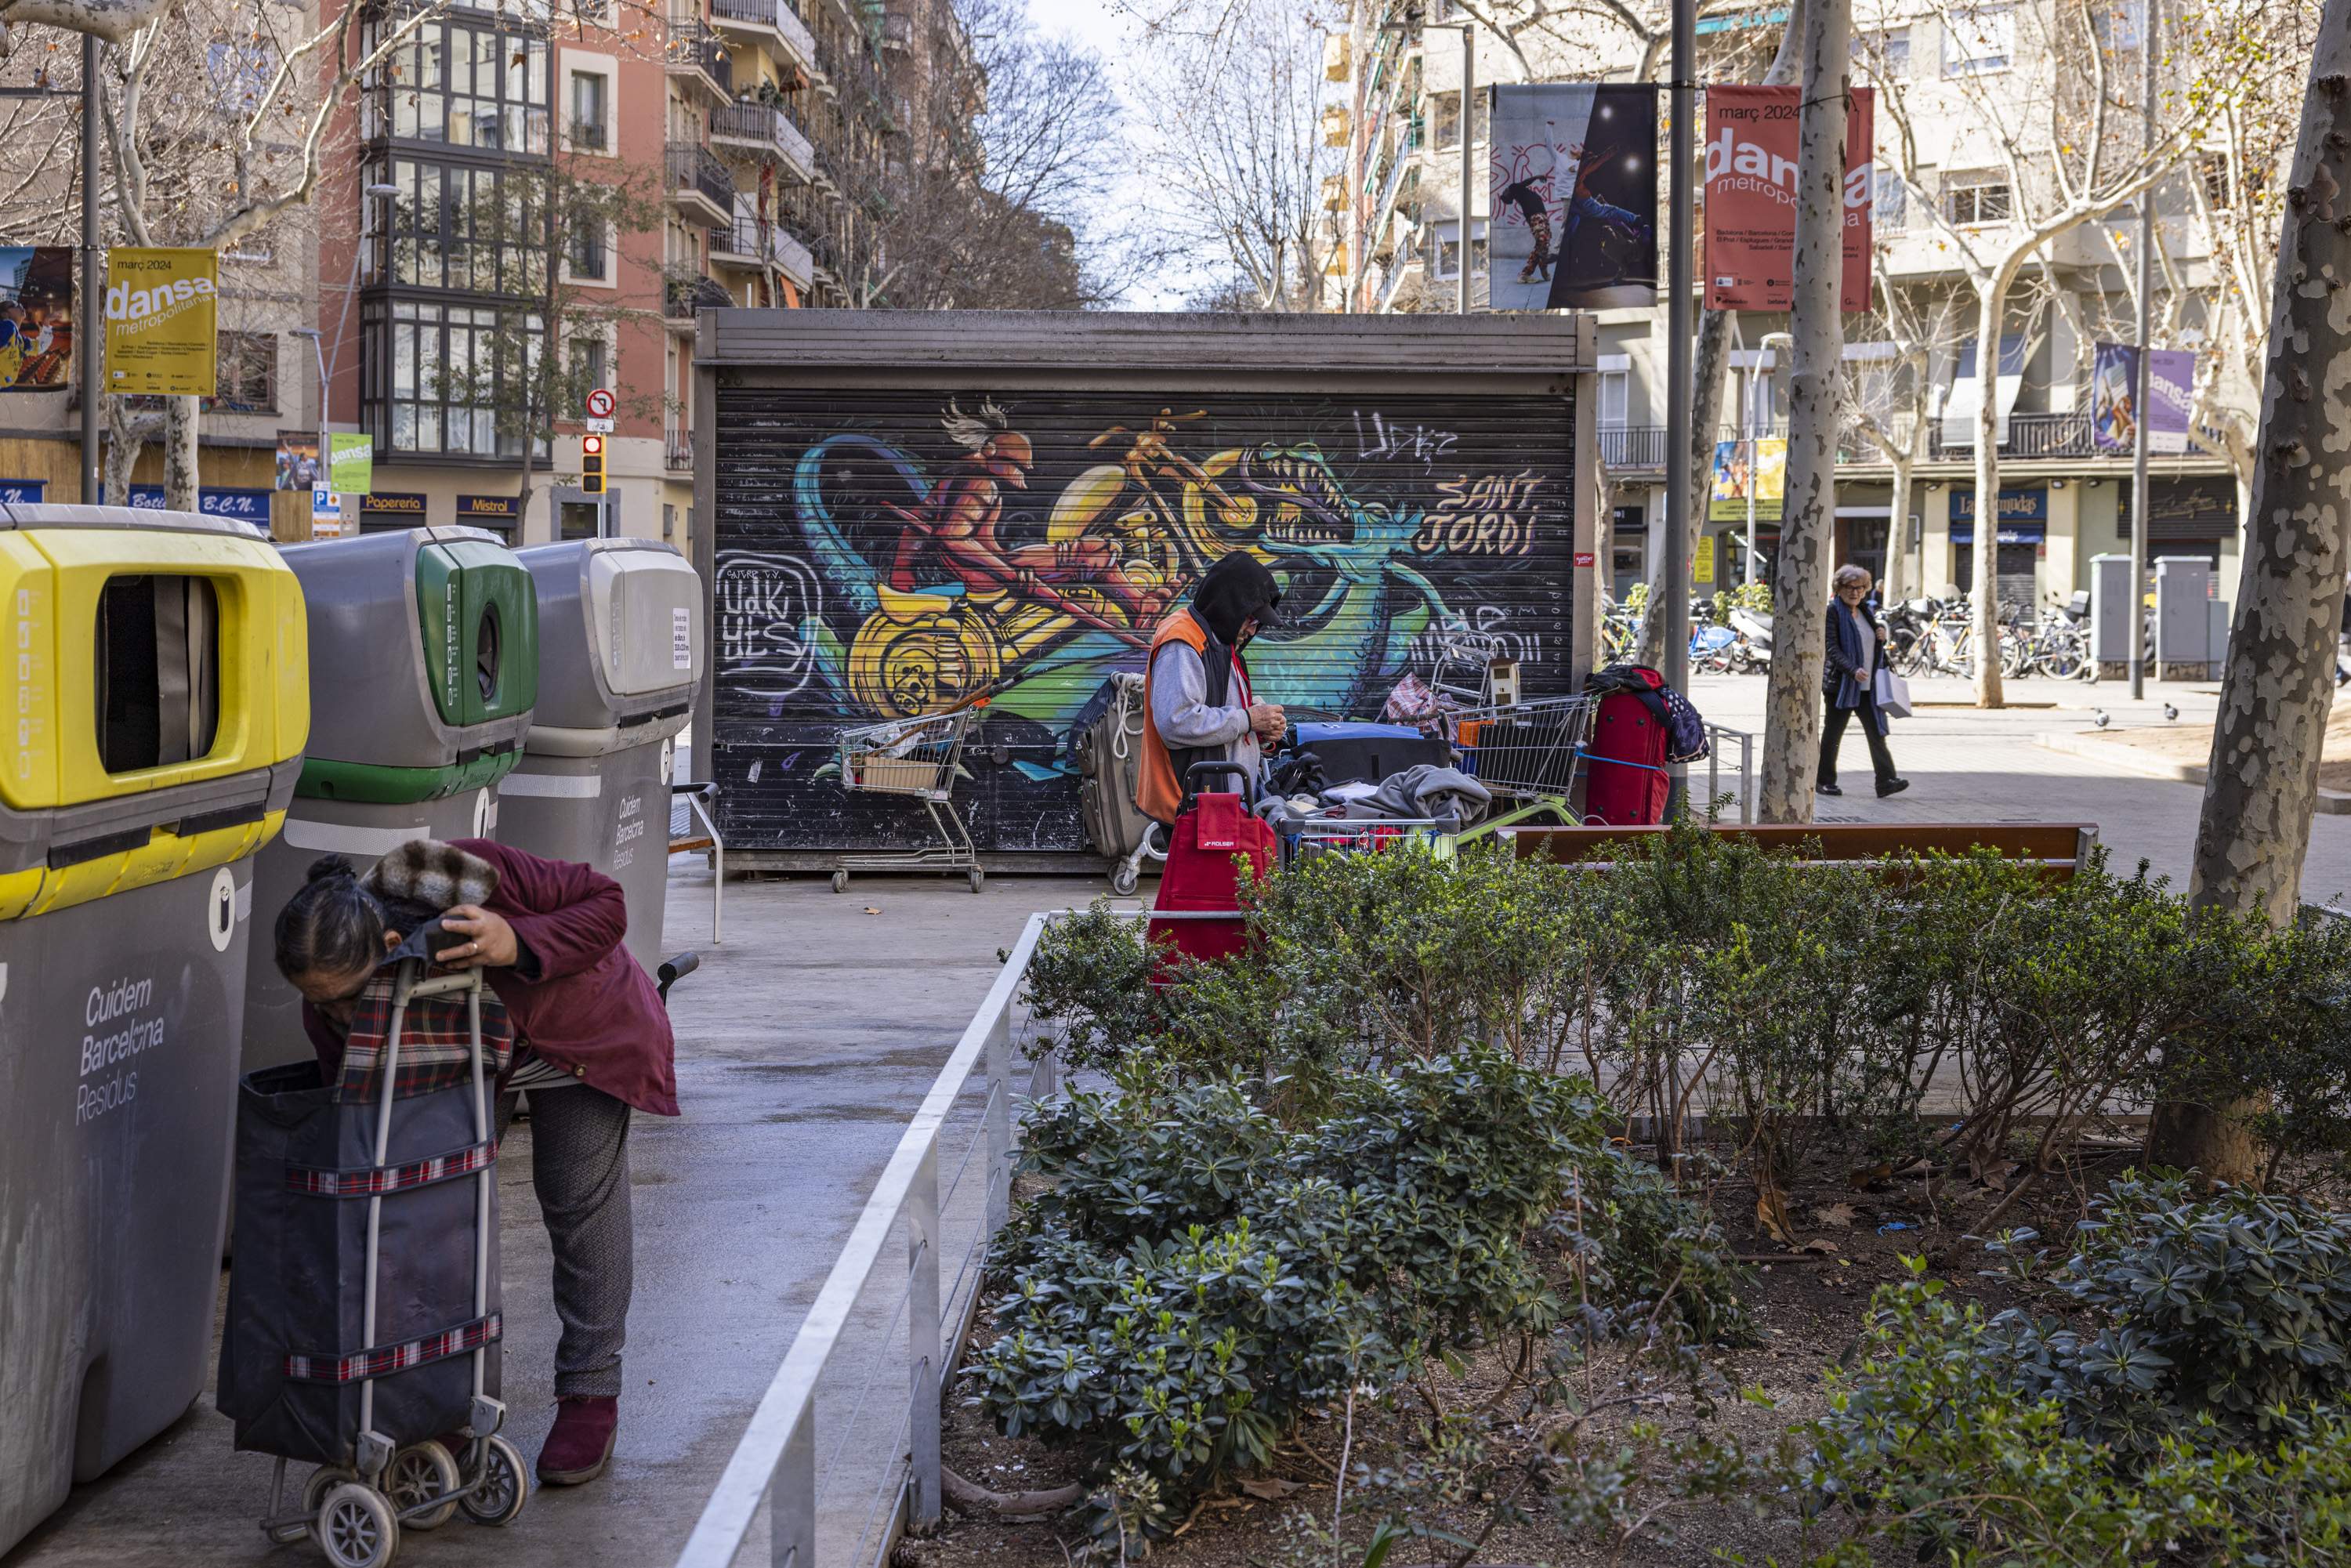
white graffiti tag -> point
(766, 605)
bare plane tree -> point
(2262, 780)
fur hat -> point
(434, 873)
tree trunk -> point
(1709, 360)
(1991, 297)
(182, 454)
(123, 441)
(1603, 565)
(1897, 586)
(2278, 682)
(1792, 718)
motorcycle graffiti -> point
(901, 554)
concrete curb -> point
(2130, 759)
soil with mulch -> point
(1850, 1225)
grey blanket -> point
(1425, 791)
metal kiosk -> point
(621, 623)
(160, 706)
(424, 667)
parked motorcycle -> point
(1753, 649)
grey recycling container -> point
(620, 652)
(423, 650)
(157, 660)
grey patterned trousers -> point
(580, 1166)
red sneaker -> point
(580, 1445)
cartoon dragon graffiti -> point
(960, 611)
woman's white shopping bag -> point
(1891, 693)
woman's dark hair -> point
(332, 925)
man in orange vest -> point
(1196, 701)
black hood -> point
(1235, 588)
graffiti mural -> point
(887, 554)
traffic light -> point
(591, 465)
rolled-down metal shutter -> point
(878, 552)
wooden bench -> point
(2058, 848)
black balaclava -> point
(1237, 588)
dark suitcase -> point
(1107, 745)
(1350, 751)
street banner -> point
(350, 462)
(297, 460)
(1575, 185)
(162, 321)
(2114, 399)
(2114, 405)
(1750, 197)
(1739, 466)
(37, 297)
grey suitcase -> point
(1110, 765)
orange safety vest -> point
(1157, 791)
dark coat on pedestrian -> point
(1841, 678)
(576, 996)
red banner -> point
(1750, 197)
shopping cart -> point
(1306, 838)
(1526, 752)
(367, 1217)
(916, 758)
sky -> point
(1097, 24)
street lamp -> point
(1769, 365)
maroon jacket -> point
(576, 996)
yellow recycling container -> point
(159, 664)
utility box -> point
(908, 516)
(2184, 645)
(620, 626)
(423, 656)
(156, 732)
(2112, 603)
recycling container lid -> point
(423, 660)
(621, 643)
(48, 515)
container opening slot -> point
(485, 654)
(157, 647)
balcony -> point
(677, 451)
(685, 295)
(851, 72)
(1625, 446)
(765, 129)
(589, 136)
(769, 22)
(2030, 436)
(700, 186)
(696, 54)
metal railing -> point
(773, 1473)
(696, 168)
(1632, 446)
(693, 47)
(1716, 735)
(2029, 435)
(747, 119)
(677, 449)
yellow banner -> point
(162, 321)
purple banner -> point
(2113, 401)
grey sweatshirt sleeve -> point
(1179, 706)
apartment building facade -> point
(1397, 209)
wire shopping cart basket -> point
(1527, 751)
(916, 757)
(1306, 840)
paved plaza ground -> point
(805, 1042)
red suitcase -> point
(1212, 833)
(1625, 785)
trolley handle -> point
(674, 969)
(1201, 771)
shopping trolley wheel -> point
(840, 881)
(357, 1528)
(505, 1486)
(324, 1479)
(1122, 880)
(976, 877)
(417, 1475)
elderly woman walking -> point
(1854, 656)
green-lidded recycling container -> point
(157, 663)
(620, 652)
(423, 668)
